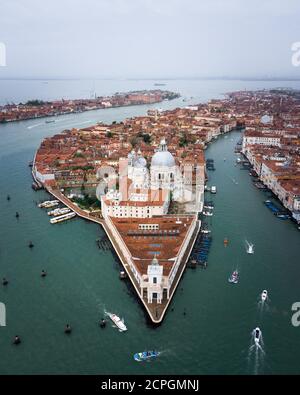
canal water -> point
(214, 336)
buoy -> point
(68, 329)
(17, 340)
(102, 323)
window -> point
(154, 280)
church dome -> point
(140, 162)
(163, 159)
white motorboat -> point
(257, 335)
(207, 213)
(209, 207)
(59, 211)
(117, 321)
(213, 189)
(62, 218)
(264, 295)
(234, 278)
(250, 248)
(49, 203)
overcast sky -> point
(149, 38)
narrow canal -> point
(215, 334)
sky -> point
(149, 38)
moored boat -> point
(62, 218)
(59, 211)
(49, 203)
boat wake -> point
(34, 126)
(256, 354)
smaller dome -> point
(140, 162)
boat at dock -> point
(59, 211)
(145, 355)
(49, 204)
(50, 121)
(208, 207)
(117, 321)
(207, 213)
(234, 278)
(213, 189)
(62, 218)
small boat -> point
(283, 216)
(117, 321)
(122, 274)
(264, 295)
(205, 231)
(208, 207)
(145, 355)
(30, 244)
(234, 278)
(226, 241)
(213, 189)
(250, 249)
(257, 335)
(50, 121)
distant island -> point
(39, 109)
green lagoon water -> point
(215, 334)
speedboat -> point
(257, 335)
(117, 321)
(250, 249)
(264, 295)
(145, 355)
(234, 278)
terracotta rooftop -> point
(164, 242)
